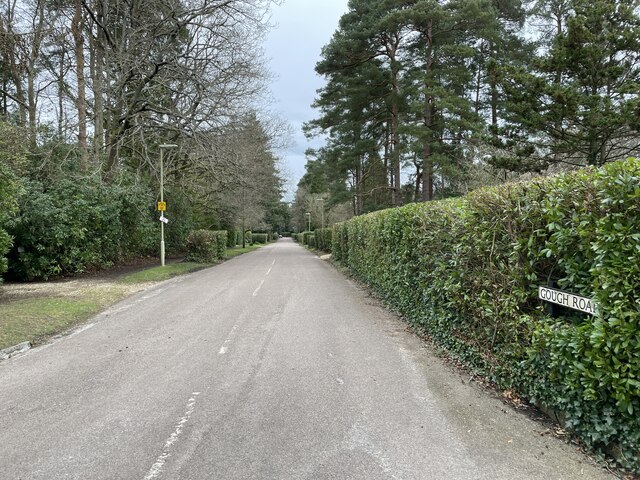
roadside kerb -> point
(9, 352)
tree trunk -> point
(395, 123)
(32, 107)
(427, 167)
(97, 56)
(77, 27)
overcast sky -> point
(302, 28)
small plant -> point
(206, 246)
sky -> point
(302, 28)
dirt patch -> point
(79, 286)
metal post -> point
(309, 218)
(162, 147)
(162, 200)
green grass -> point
(35, 319)
(234, 252)
(159, 274)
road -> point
(270, 366)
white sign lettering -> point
(568, 300)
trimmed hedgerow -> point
(206, 246)
(466, 271)
(304, 238)
(261, 238)
(323, 238)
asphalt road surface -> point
(270, 366)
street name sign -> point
(568, 300)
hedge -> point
(466, 271)
(303, 238)
(68, 227)
(260, 238)
(323, 238)
(231, 238)
(206, 246)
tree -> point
(580, 104)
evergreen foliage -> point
(323, 238)
(467, 271)
(206, 246)
(451, 96)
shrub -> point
(339, 244)
(206, 246)
(231, 239)
(13, 158)
(8, 204)
(304, 238)
(260, 238)
(180, 214)
(323, 238)
(311, 241)
(467, 270)
(65, 228)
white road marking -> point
(157, 467)
(255, 294)
(271, 267)
(225, 345)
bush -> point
(339, 243)
(323, 239)
(304, 238)
(180, 214)
(65, 228)
(260, 238)
(206, 246)
(8, 204)
(467, 270)
(231, 238)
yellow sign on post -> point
(162, 206)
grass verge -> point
(159, 274)
(234, 252)
(52, 308)
(36, 319)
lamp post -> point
(162, 147)
(308, 214)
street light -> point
(308, 214)
(162, 147)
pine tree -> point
(580, 103)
